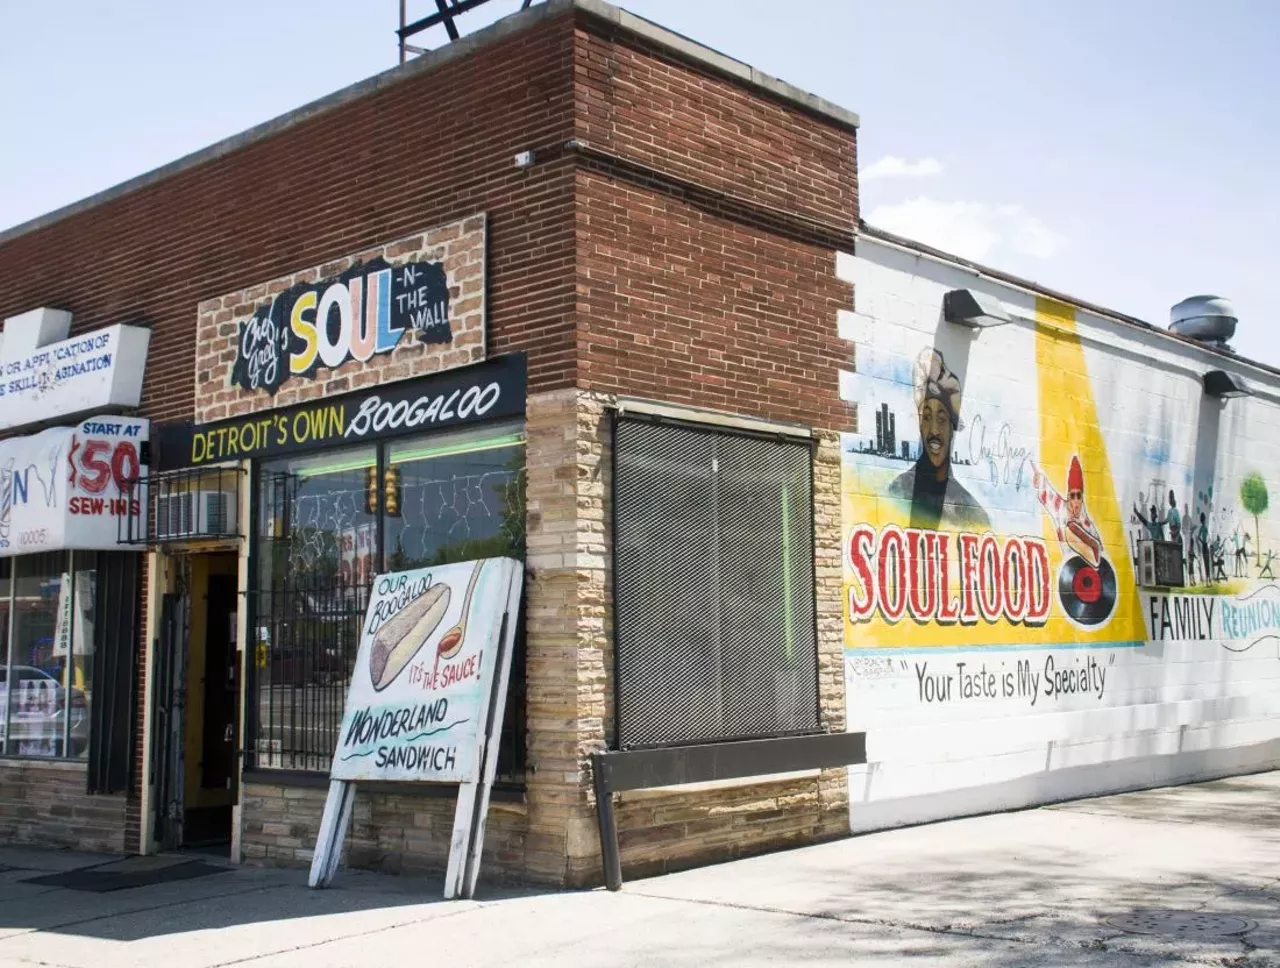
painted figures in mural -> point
(1215, 546)
(930, 485)
(1071, 520)
(1087, 585)
(1019, 533)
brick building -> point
(1023, 543)
(639, 329)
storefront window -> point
(455, 499)
(47, 676)
(326, 526)
(318, 534)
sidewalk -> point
(1021, 889)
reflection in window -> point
(317, 532)
(456, 498)
(46, 681)
(438, 500)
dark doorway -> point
(197, 703)
(217, 767)
(213, 691)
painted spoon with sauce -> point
(451, 641)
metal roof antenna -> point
(446, 12)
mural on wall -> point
(1003, 533)
(983, 522)
(1059, 553)
(1229, 593)
(409, 307)
(1004, 527)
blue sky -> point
(1121, 152)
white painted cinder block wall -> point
(1177, 704)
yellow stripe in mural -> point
(1083, 519)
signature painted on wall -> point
(993, 446)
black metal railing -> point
(185, 505)
(305, 641)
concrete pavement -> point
(1035, 887)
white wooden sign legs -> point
(370, 733)
(333, 831)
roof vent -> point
(1210, 320)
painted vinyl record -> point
(1088, 594)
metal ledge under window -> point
(194, 504)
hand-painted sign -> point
(68, 486)
(422, 678)
(486, 391)
(98, 370)
(395, 311)
(354, 315)
(999, 525)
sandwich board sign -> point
(426, 699)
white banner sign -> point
(61, 380)
(67, 487)
(417, 704)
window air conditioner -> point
(192, 514)
(1160, 564)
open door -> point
(169, 679)
(197, 704)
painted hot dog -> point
(397, 642)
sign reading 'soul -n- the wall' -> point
(411, 306)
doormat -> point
(102, 881)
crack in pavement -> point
(346, 937)
(950, 930)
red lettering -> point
(1000, 579)
(99, 469)
(892, 587)
(125, 465)
(1015, 573)
(991, 586)
(948, 607)
(861, 541)
(1037, 583)
(921, 554)
(968, 579)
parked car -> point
(39, 711)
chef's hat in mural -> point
(935, 381)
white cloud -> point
(973, 230)
(891, 166)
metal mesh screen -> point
(714, 614)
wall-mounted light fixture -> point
(974, 309)
(1220, 383)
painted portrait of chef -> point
(937, 499)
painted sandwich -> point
(399, 640)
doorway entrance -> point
(197, 707)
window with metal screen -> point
(714, 599)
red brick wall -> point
(690, 308)
(636, 101)
(419, 153)
(681, 302)
(611, 280)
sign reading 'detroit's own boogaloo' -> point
(424, 672)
